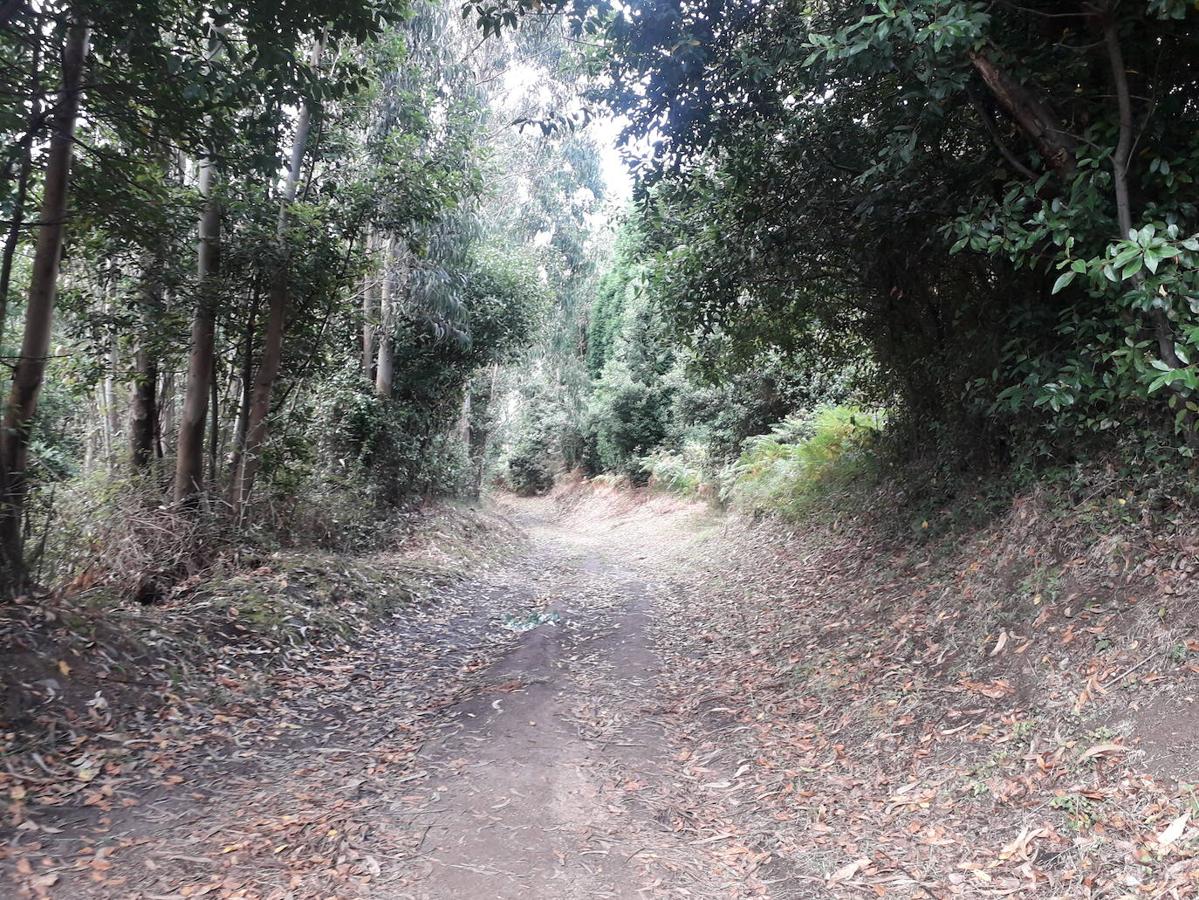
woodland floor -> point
(621, 709)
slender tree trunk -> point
(39, 313)
(464, 428)
(385, 368)
(189, 451)
(166, 414)
(246, 380)
(189, 457)
(214, 430)
(1163, 330)
(481, 437)
(370, 287)
(143, 395)
(104, 424)
(112, 418)
(89, 442)
(272, 350)
(13, 239)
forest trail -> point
(642, 698)
(536, 778)
(505, 738)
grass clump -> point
(790, 470)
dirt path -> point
(536, 779)
(505, 738)
(636, 703)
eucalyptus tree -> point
(150, 89)
(30, 366)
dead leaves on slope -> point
(897, 746)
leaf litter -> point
(738, 709)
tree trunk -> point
(112, 418)
(1163, 330)
(143, 409)
(39, 314)
(243, 407)
(481, 437)
(13, 238)
(385, 369)
(1035, 119)
(104, 423)
(214, 430)
(166, 414)
(370, 286)
(143, 396)
(272, 350)
(464, 429)
(189, 458)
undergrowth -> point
(119, 534)
(785, 473)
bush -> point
(533, 443)
(120, 534)
(801, 460)
(687, 473)
(528, 469)
(629, 421)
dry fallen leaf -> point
(1018, 848)
(1173, 831)
(1000, 644)
(1100, 750)
(848, 871)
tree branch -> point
(1000, 145)
(1034, 117)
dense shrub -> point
(629, 419)
(801, 460)
(528, 469)
(687, 472)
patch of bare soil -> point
(541, 783)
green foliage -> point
(629, 420)
(409, 147)
(794, 467)
(687, 472)
(528, 465)
(930, 195)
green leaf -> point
(1063, 280)
(1126, 256)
